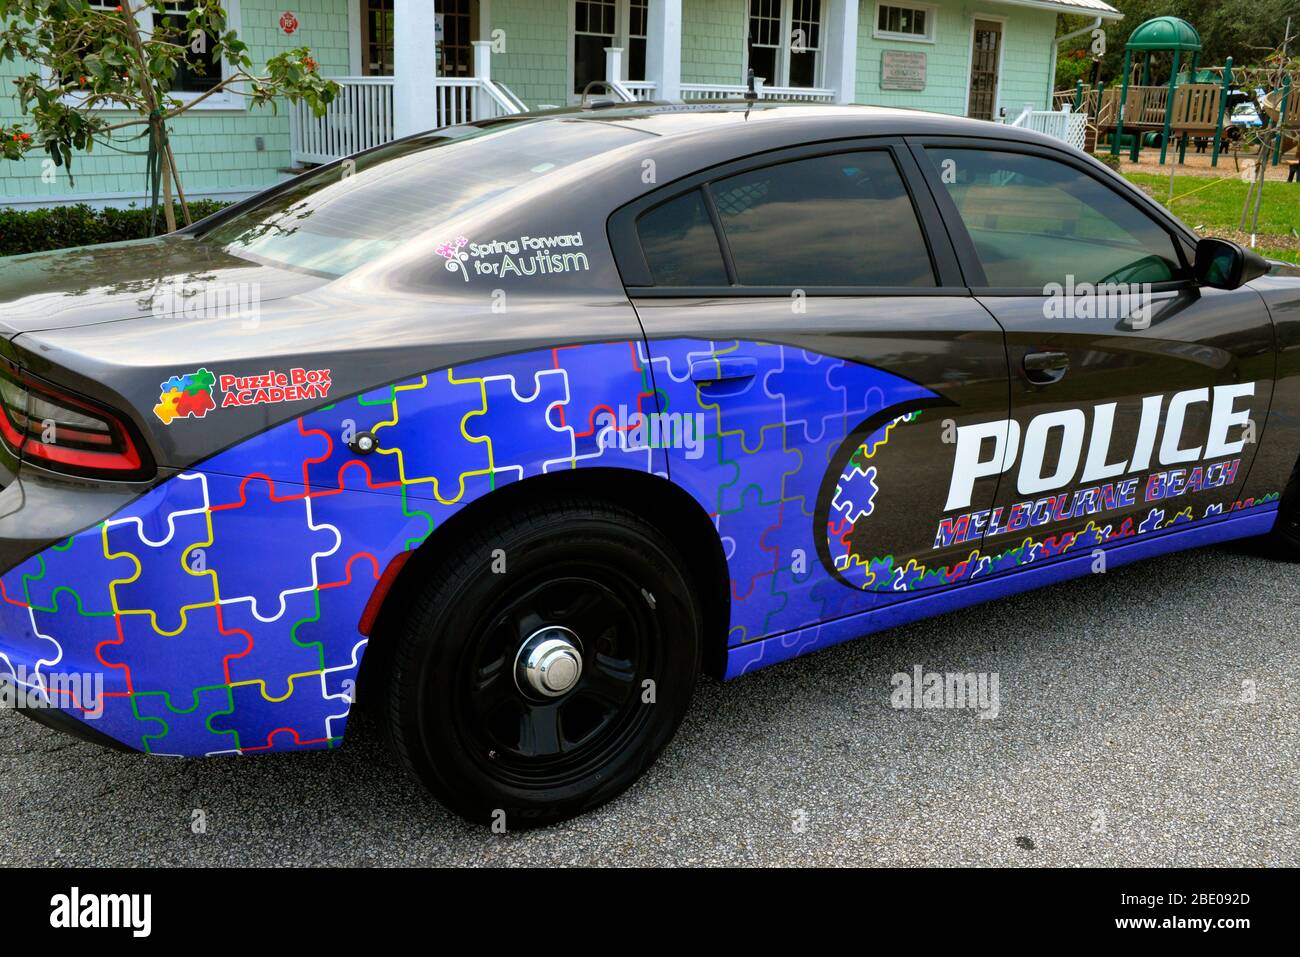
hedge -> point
(58, 227)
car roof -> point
(707, 119)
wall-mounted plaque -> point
(902, 70)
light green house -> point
(410, 65)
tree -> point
(1229, 28)
(85, 58)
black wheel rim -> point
(529, 741)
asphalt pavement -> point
(1147, 716)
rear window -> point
(340, 218)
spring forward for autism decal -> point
(190, 395)
(525, 256)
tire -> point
(1285, 537)
(470, 727)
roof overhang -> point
(1082, 8)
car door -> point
(813, 350)
(1136, 395)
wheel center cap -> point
(549, 662)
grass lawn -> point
(1213, 208)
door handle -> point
(721, 368)
(1044, 368)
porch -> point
(620, 50)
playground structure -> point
(1193, 105)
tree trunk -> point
(169, 213)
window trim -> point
(783, 49)
(931, 18)
(638, 281)
(964, 246)
(226, 100)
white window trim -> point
(224, 100)
(783, 51)
(622, 28)
(931, 19)
(970, 60)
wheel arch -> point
(660, 501)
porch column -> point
(841, 37)
(613, 64)
(483, 104)
(663, 48)
(414, 67)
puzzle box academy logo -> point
(190, 395)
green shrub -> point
(58, 227)
(1111, 161)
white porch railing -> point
(728, 91)
(361, 116)
(1066, 126)
(639, 89)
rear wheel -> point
(544, 664)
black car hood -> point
(159, 277)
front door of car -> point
(1135, 394)
(814, 353)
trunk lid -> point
(160, 277)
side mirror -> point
(1224, 265)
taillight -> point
(65, 432)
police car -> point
(508, 431)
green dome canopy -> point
(1164, 33)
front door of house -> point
(985, 56)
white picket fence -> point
(1064, 125)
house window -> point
(784, 42)
(638, 19)
(905, 23)
(805, 42)
(455, 53)
(599, 24)
(200, 72)
(593, 31)
(377, 20)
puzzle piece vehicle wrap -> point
(223, 606)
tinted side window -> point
(841, 220)
(680, 244)
(1036, 221)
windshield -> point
(341, 217)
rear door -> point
(814, 352)
(1136, 396)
